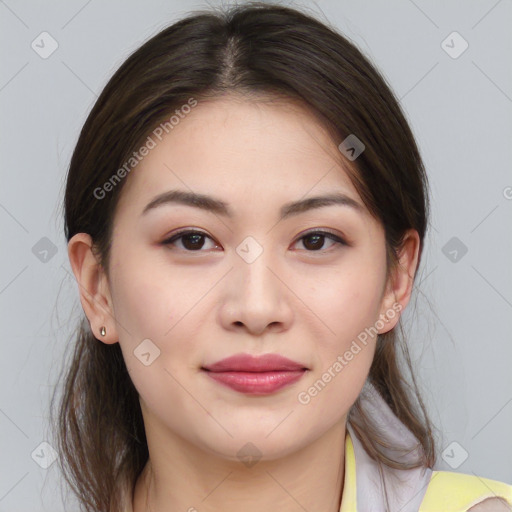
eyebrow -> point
(215, 205)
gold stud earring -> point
(103, 331)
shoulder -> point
(491, 505)
(448, 490)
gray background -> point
(459, 110)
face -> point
(247, 280)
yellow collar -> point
(348, 499)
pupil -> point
(195, 238)
(317, 237)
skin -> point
(302, 298)
(491, 505)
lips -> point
(255, 375)
(248, 363)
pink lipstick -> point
(255, 375)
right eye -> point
(191, 240)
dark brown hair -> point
(255, 49)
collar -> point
(366, 482)
(349, 498)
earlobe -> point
(400, 283)
(93, 287)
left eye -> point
(194, 240)
(318, 238)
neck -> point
(180, 476)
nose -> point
(258, 296)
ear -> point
(400, 282)
(93, 287)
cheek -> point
(140, 307)
(348, 300)
(160, 304)
(149, 308)
(150, 296)
(344, 350)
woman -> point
(245, 213)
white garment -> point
(405, 488)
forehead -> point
(235, 147)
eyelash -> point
(335, 238)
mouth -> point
(256, 383)
(255, 375)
